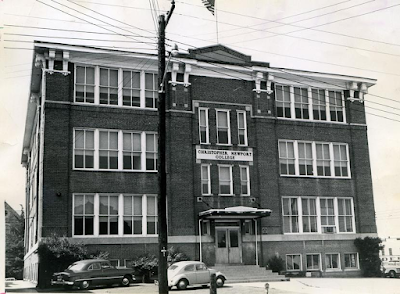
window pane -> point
(79, 139)
(128, 205)
(89, 205)
(103, 205)
(151, 205)
(78, 205)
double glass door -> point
(228, 245)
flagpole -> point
(216, 19)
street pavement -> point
(295, 286)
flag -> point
(209, 4)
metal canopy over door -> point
(228, 245)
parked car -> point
(185, 273)
(86, 273)
(390, 269)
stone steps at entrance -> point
(248, 273)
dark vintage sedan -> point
(86, 273)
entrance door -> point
(228, 249)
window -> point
(132, 151)
(108, 215)
(131, 88)
(340, 160)
(313, 262)
(205, 179)
(244, 180)
(305, 159)
(298, 158)
(108, 86)
(290, 215)
(203, 126)
(323, 160)
(351, 261)
(223, 127)
(205, 227)
(114, 215)
(152, 218)
(83, 215)
(84, 149)
(282, 94)
(115, 150)
(345, 215)
(293, 262)
(151, 90)
(318, 215)
(327, 215)
(133, 217)
(336, 106)
(84, 84)
(151, 151)
(309, 104)
(249, 228)
(332, 261)
(242, 128)
(309, 211)
(301, 103)
(319, 104)
(286, 158)
(108, 150)
(225, 180)
(118, 87)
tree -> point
(368, 249)
(15, 248)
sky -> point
(350, 37)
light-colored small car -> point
(185, 273)
(390, 269)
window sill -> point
(351, 269)
(114, 106)
(315, 177)
(333, 270)
(220, 144)
(114, 170)
(226, 195)
(113, 236)
(311, 120)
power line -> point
(115, 5)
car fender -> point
(176, 279)
(219, 274)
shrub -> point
(276, 264)
(174, 255)
(368, 249)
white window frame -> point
(291, 215)
(132, 215)
(96, 164)
(301, 262)
(84, 149)
(109, 150)
(353, 221)
(319, 262)
(228, 129)
(230, 179)
(206, 126)
(83, 214)
(314, 159)
(320, 227)
(96, 228)
(207, 180)
(339, 268)
(244, 129)
(85, 84)
(311, 103)
(108, 86)
(96, 86)
(246, 169)
(357, 261)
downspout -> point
(200, 249)
(256, 229)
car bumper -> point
(68, 283)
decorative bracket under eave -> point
(174, 72)
(259, 78)
(356, 91)
(65, 58)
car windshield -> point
(76, 266)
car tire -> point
(182, 284)
(125, 281)
(220, 281)
(84, 285)
(392, 274)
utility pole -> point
(162, 177)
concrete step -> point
(248, 273)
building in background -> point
(391, 249)
(261, 161)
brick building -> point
(261, 161)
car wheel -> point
(392, 274)
(220, 281)
(182, 284)
(125, 281)
(84, 285)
